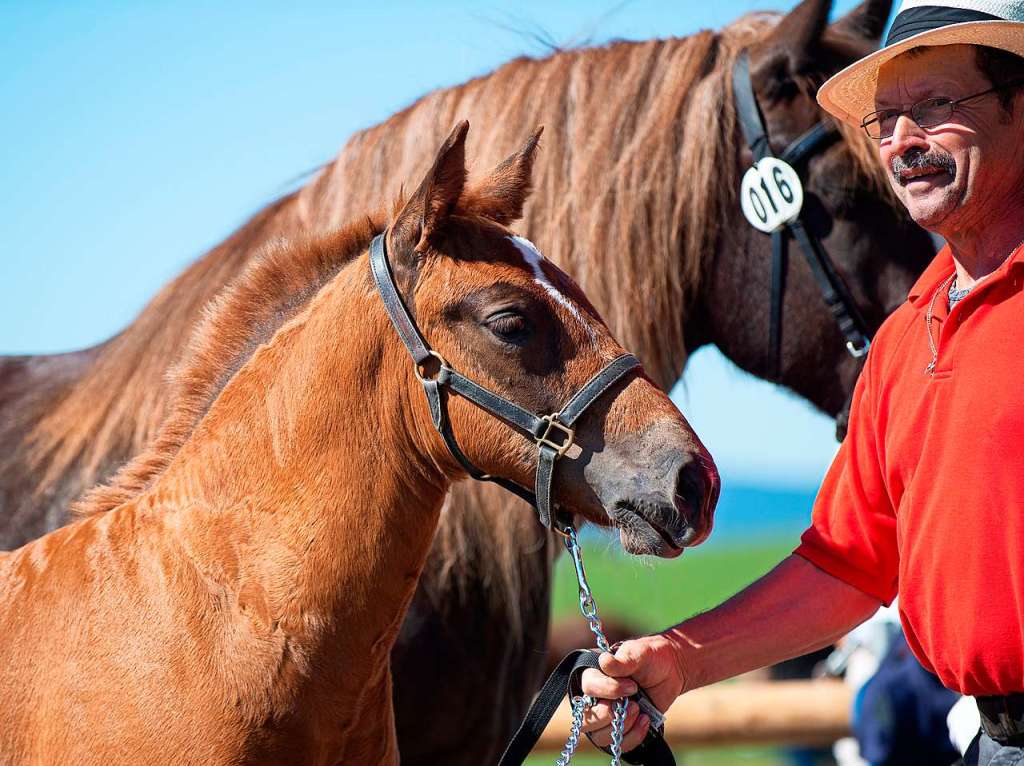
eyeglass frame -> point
(871, 117)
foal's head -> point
(505, 317)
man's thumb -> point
(624, 662)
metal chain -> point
(588, 607)
(580, 705)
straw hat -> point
(850, 95)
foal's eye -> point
(509, 326)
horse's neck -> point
(305, 479)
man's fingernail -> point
(630, 689)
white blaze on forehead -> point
(534, 258)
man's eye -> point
(509, 326)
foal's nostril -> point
(690, 490)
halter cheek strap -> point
(553, 434)
(834, 290)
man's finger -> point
(635, 735)
(602, 737)
(597, 684)
(624, 662)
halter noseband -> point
(553, 434)
(833, 289)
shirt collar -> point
(942, 266)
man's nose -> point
(907, 135)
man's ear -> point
(433, 201)
(503, 193)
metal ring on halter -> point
(441, 369)
(857, 352)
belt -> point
(1002, 718)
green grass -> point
(652, 594)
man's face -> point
(956, 175)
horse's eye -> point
(509, 326)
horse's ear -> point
(866, 21)
(434, 200)
(501, 195)
(799, 32)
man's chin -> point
(931, 210)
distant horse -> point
(637, 198)
(234, 595)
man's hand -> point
(653, 663)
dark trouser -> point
(985, 751)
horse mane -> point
(274, 286)
(609, 206)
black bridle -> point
(833, 289)
(553, 434)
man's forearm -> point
(794, 609)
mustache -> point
(918, 160)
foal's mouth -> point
(642, 532)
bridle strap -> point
(553, 434)
(834, 290)
(748, 110)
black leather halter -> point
(554, 434)
(833, 289)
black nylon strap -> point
(814, 140)
(780, 263)
(833, 290)
(565, 679)
(836, 294)
(748, 111)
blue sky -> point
(137, 135)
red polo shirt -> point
(926, 494)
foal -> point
(240, 603)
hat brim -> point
(850, 95)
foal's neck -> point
(308, 479)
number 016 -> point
(771, 194)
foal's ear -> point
(866, 21)
(501, 195)
(434, 200)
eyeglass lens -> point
(926, 114)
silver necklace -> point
(930, 369)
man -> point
(926, 494)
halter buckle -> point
(442, 369)
(553, 424)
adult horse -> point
(234, 594)
(643, 158)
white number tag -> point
(771, 194)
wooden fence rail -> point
(745, 712)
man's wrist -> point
(683, 654)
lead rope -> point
(580, 704)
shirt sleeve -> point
(853, 526)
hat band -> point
(925, 18)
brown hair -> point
(1001, 68)
(634, 192)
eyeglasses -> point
(927, 113)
